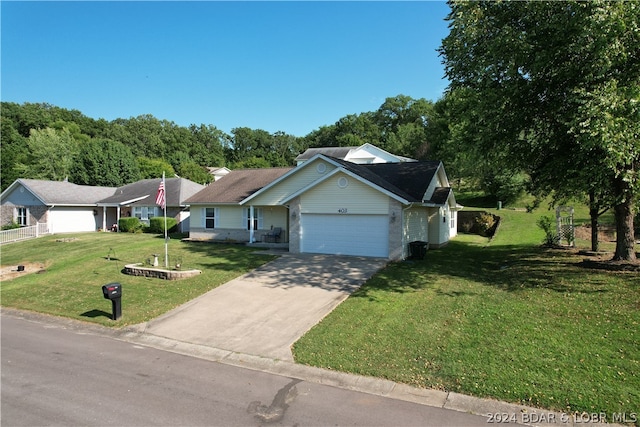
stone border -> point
(158, 273)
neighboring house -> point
(68, 207)
(139, 199)
(329, 205)
(365, 154)
(218, 172)
(65, 206)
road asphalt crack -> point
(275, 412)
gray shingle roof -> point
(65, 193)
(408, 180)
(337, 152)
(177, 190)
(237, 185)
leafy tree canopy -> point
(553, 86)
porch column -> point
(118, 217)
(104, 218)
(251, 239)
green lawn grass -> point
(504, 319)
(76, 266)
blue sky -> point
(277, 66)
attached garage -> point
(343, 234)
(72, 219)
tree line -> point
(43, 141)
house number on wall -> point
(342, 210)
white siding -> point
(416, 225)
(300, 179)
(355, 198)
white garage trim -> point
(362, 235)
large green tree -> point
(104, 162)
(556, 87)
(51, 154)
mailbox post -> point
(113, 292)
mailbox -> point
(112, 290)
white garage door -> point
(71, 220)
(363, 235)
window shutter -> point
(245, 218)
(216, 218)
(203, 217)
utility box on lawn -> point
(113, 292)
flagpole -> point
(166, 238)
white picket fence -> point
(23, 233)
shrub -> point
(156, 225)
(130, 225)
(485, 222)
(11, 226)
(547, 224)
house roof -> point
(62, 192)
(143, 193)
(337, 152)
(237, 185)
(408, 180)
(440, 195)
(354, 154)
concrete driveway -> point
(265, 311)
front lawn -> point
(505, 319)
(73, 268)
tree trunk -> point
(625, 239)
(594, 214)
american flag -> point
(160, 197)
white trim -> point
(126, 202)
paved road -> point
(265, 311)
(64, 373)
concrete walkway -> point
(265, 311)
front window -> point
(143, 213)
(21, 216)
(210, 218)
(257, 218)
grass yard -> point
(76, 266)
(504, 319)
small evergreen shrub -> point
(130, 225)
(156, 225)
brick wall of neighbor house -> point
(6, 214)
(36, 214)
(294, 226)
(396, 251)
